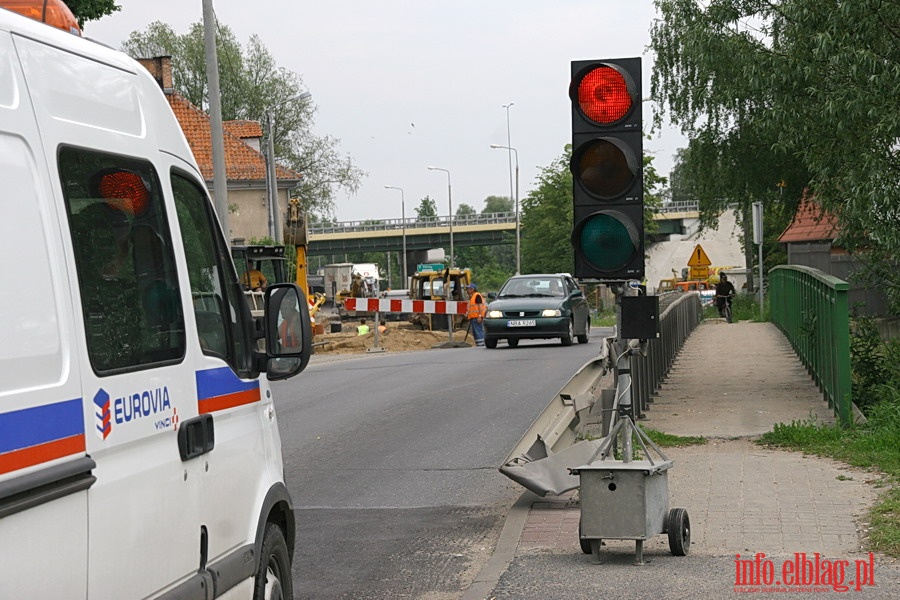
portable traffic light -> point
(607, 169)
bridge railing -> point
(811, 308)
(682, 312)
(458, 221)
(412, 223)
(679, 206)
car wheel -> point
(570, 334)
(273, 580)
(583, 339)
(490, 342)
(512, 343)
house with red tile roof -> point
(810, 236)
(812, 240)
(245, 162)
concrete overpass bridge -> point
(468, 230)
(421, 234)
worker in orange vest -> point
(476, 311)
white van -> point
(139, 449)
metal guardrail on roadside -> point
(682, 313)
(541, 459)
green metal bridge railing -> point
(811, 309)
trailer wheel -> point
(585, 543)
(490, 342)
(679, 528)
(273, 579)
(512, 342)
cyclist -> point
(724, 293)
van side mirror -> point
(288, 331)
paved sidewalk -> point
(729, 383)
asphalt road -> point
(392, 463)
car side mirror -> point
(288, 331)
(577, 294)
(492, 295)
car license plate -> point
(521, 323)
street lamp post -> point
(403, 220)
(518, 230)
(450, 201)
(274, 222)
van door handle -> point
(196, 437)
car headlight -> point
(494, 314)
(551, 312)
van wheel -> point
(273, 579)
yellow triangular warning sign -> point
(699, 258)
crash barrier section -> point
(681, 314)
(811, 309)
(390, 305)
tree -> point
(465, 210)
(498, 204)
(652, 198)
(427, 209)
(91, 10)
(252, 83)
(547, 220)
(799, 91)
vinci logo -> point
(103, 414)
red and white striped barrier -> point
(428, 307)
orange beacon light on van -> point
(51, 12)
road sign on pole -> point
(699, 272)
(430, 267)
(699, 258)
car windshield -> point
(532, 287)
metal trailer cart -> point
(629, 499)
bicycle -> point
(725, 310)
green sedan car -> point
(537, 307)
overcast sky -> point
(407, 84)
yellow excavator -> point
(295, 235)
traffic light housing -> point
(607, 169)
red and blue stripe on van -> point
(40, 434)
(219, 389)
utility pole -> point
(220, 177)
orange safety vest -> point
(477, 308)
(289, 336)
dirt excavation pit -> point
(399, 337)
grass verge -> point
(666, 440)
(872, 446)
(606, 318)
